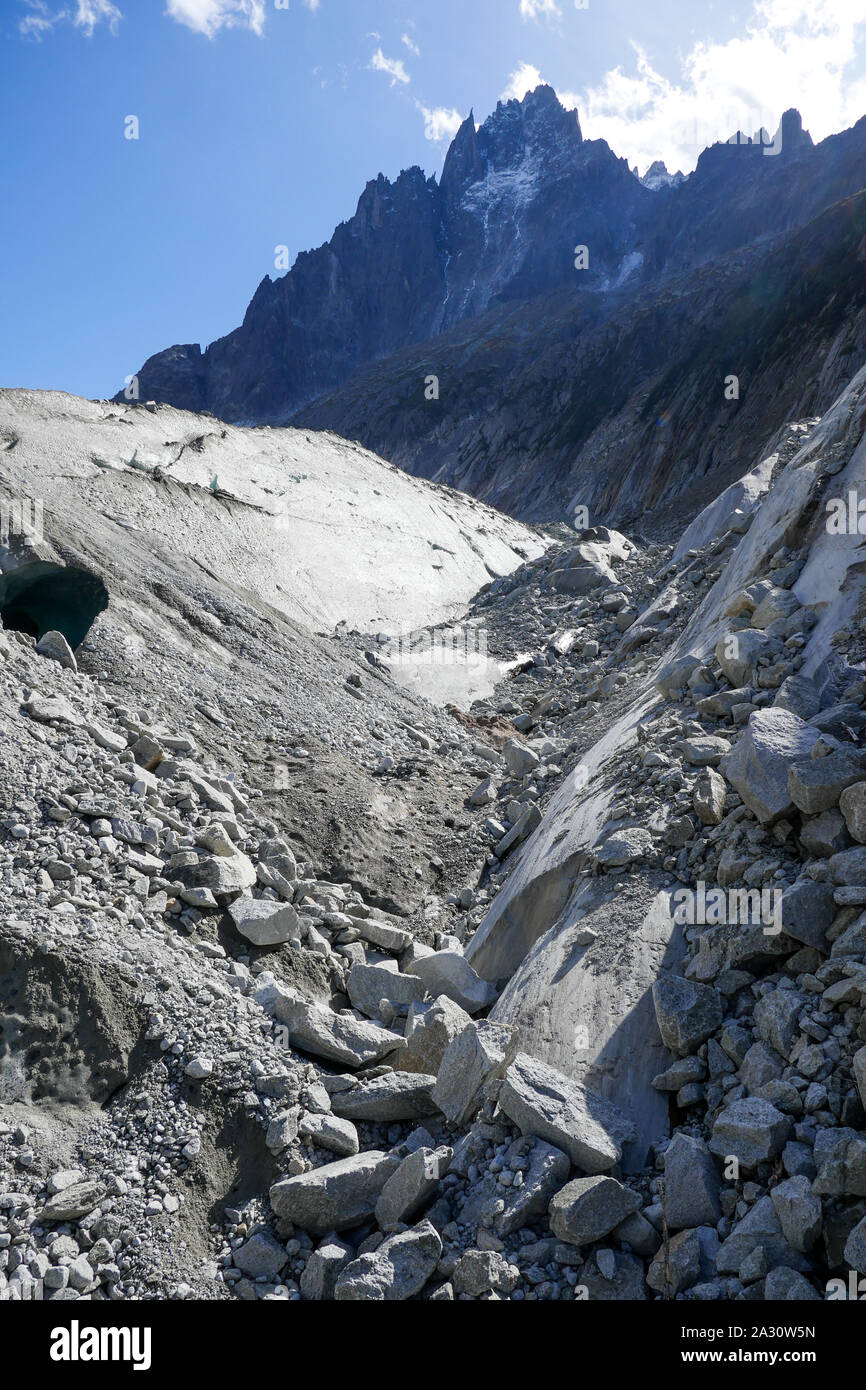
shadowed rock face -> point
(603, 386)
(417, 257)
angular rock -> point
(413, 1184)
(323, 1268)
(776, 1018)
(855, 1247)
(221, 873)
(479, 1054)
(398, 1095)
(824, 835)
(759, 1230)
(261, 1256)
(367, 985)
(686, 1012)
(808, 910)
(688, 1259)
(852, 804)
(541, 1101)
(316, 1029)
(448, 973)
(331, 1132)
(691, 1184)
(337, 1195)
(816, 784)
(54, 645)
(263, 922)
(757, 766)
(483, 1271)
(738, 654)
(786, 1285)
(750, 1130)
(799, 1212)
(588, 1209)
(73, 1202)
(430, 1029)
(625, 847)
(398, 1269)
(709, 797)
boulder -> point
(55, 646)
(396, 1270)
(808, 910)
(413, 1184)
(688, 1259)
(824, 835)
(479, 1054)
(786, 1285)
(430, 1027)
(519, 759)
(686, 1012)
(263, 922)
(709, 796)
(399, 1095)
(330, 1132)
(852, 804)
(368, 985)
(588, 1209)
(799, 1212)
(625, 847)
(738, 654)
(540, 1100)
(449, 973)
(484, 1271)
(323, 1268)
(750, 1130)
(816, 784)
(757, 766)
(337, 1195)
(316, 1029)
(691, 1184)
(261, 1256)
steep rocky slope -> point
(314, 990)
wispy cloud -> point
(789, 53)
(524, 79)
(208, 17)
(392, 66)
(86, 16)
(410, 44)
(441, 122)
(535, 9)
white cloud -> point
(392, 66)
(411, 45)
(524, 79)
(312, 5)
(532, 9)
(441, 122)
(789, 53)
(86, 16)
(209, 16)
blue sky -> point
(259, 126)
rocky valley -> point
(316, 987)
